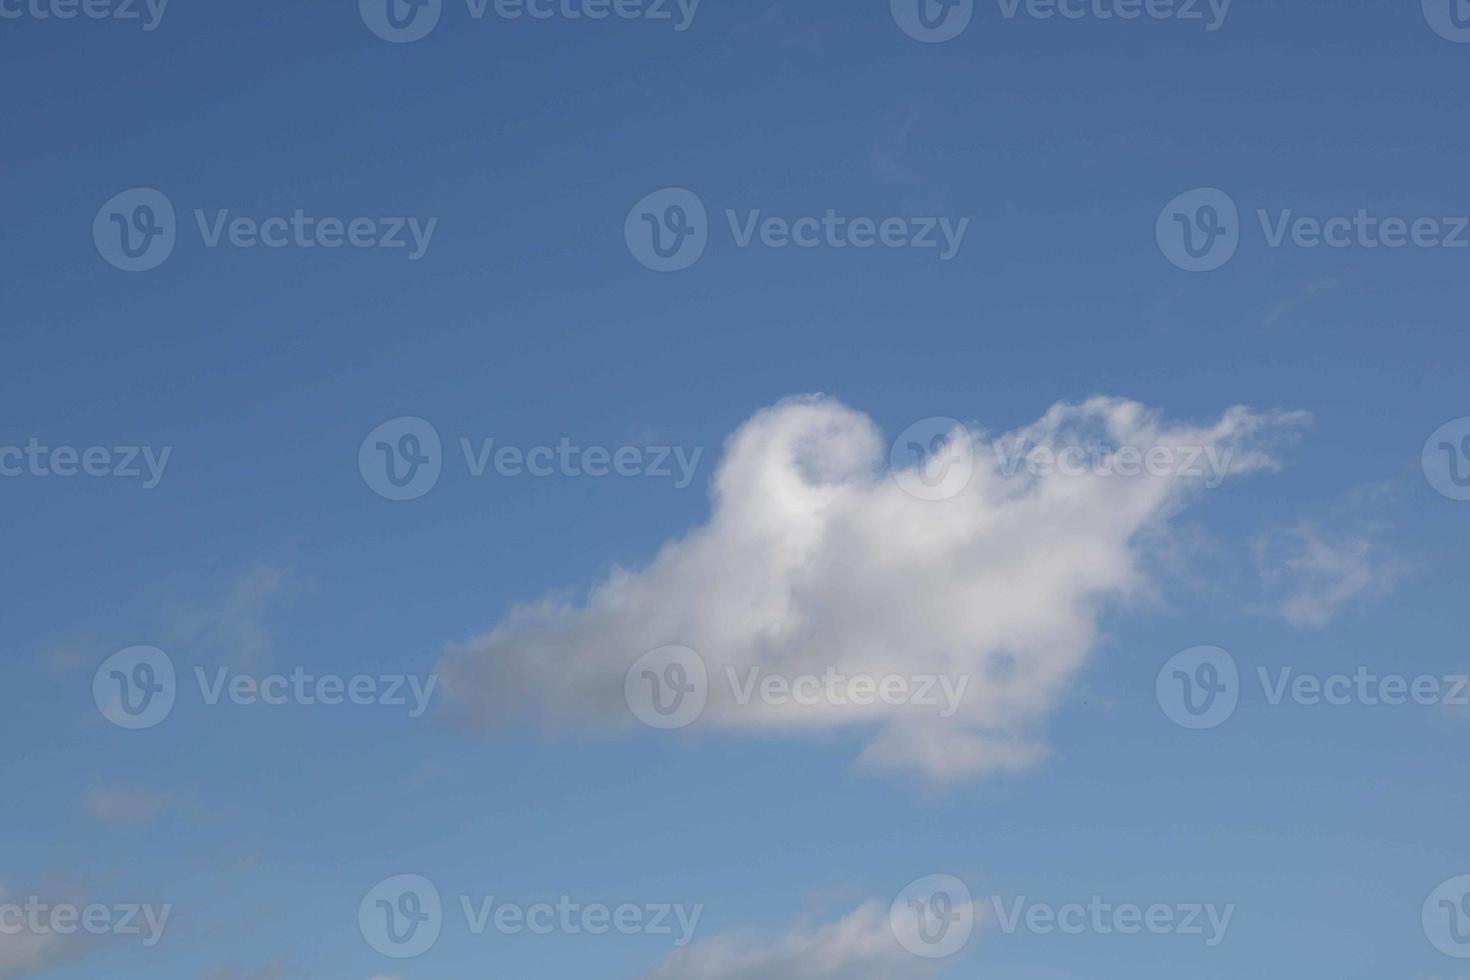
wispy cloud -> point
(70, 654)
(24, 953)
(860, 946)
(889, 154)
(278, 969)
(234, 626)
(1316, 575)
(1279, 310)
(1337, 561)
(126, 806)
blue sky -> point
(263, 542)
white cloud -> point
(860, 946)
(25, 952)
(1317, 575)
(814, 558)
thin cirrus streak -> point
(816, 557)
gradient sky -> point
(526, 319)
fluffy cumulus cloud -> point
(858, 947)
(822, 557)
